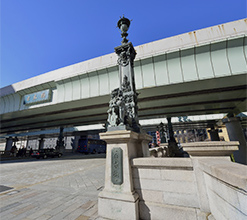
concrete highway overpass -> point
(196, 73)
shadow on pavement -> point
(66, 156)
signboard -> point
(37, 97)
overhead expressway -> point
(196, 73)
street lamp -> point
(123, 109)
(173, 149)
(123, 24)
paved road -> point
(64, 188)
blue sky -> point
(38, 36)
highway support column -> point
(214, 134)
(9, 143)
(235, 133)
(41, 143)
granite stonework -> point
(203, 148)
(167, 187)
(122, 201)
(226, 187)
(199, 187)
(204, 186)
(211, 148)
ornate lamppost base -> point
(119, 200)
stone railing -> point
(205, 186)
(222, 187)
(158, 151)
(211, 148)
(166, 187)
(205, 148)
(190, 188)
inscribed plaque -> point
(117, 166)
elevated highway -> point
(196, 73)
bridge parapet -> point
(190, 188)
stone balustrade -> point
(222, 187)
(207, 185)
(205, 148)
(158, 151)
(190, 188)
(166, 187)
(211, 148)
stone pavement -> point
(64, 188)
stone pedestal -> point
(235, 133)
(41, 143)
(118, 200)
(214, 134)
(75, 143)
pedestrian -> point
(19, 153)
(24, 151)
(15, 151)
(30, 152)
(12, 151)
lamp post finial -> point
(123, 24)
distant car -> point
(44, 153)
